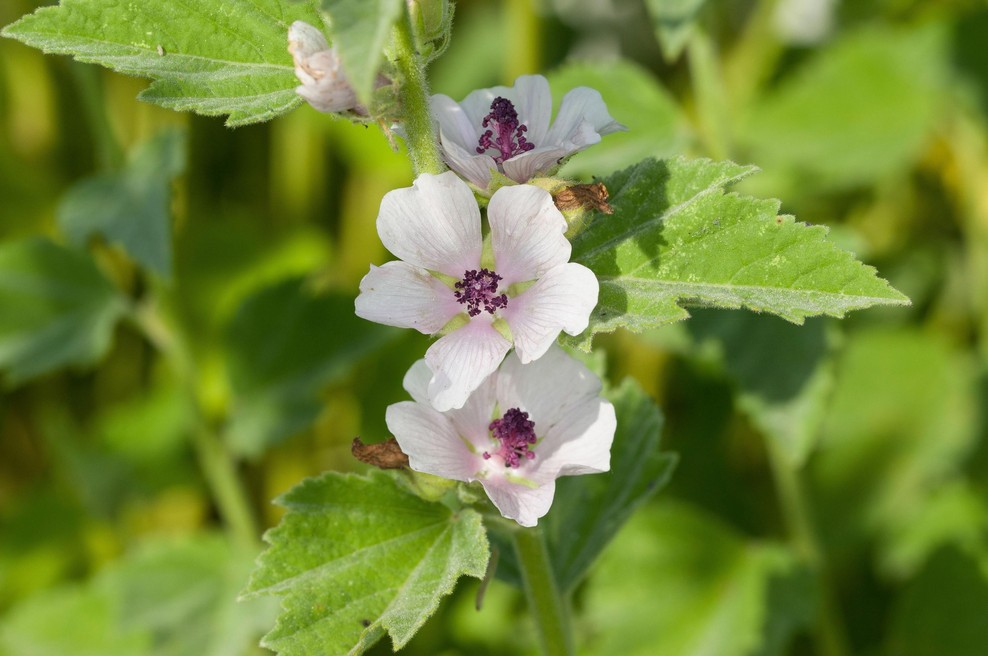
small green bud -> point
(431, 20)
(429, 486)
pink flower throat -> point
(509, 139)
(478, 290)
(516, 433)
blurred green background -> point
(830, 496)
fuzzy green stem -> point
(548, 607)
(215, 461)
(829, 629)
(423, 147)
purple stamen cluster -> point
(510, 138)
(516, 433)
(478, 290)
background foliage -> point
(830, 490)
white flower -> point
(526, 296)
(317, 67)
(548, 421)
(507, 129)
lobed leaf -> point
(205, 56)
(355, 557)
(676, 238)
(56, 309)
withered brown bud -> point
(583, 196)
(383, 455)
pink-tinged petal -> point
(579, 106)
(473, 419)
(305, 40)
(416, 381)
(431, 442)
(522, 168)
(454, 124)
(474, 168)
(525, 505)
(527, 233)
(548, 388)
(461, 360)
(533, 102)
(580, 442)
(434, 224)
(477, 104)
(399, 294)
(561, 300)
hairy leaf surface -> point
(204, 56)
(355, 557)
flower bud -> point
(432, 20)
(318, 68)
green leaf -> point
(285, 344)
(634, 97)
(942, 612)
(357, 556)
(677, 581)
(854, 112)
(130, 207)
(56, 309)
(361, 30)
(674, 21)
(205, 56)
(784, 373)
(675, 237)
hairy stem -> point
(423, 147)
(548, 607)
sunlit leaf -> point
(676, 238)
(361, 30)
(285, 343)
(209, 57)
(131, 206)
(356, 557)
(56, 309)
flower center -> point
(504, 133)
(516, 433)
(478, 291)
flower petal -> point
(475, 169)
(548, 388)
(533, 102)
(522, 168)
(519, 502)
(416, 381)
(582, 105)
(431, 442)
(473, 419)
(562, 299)
(461, 360)
(399, 294)
(454, 124)
(435, 224)
(527, 233)
(579, 443)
